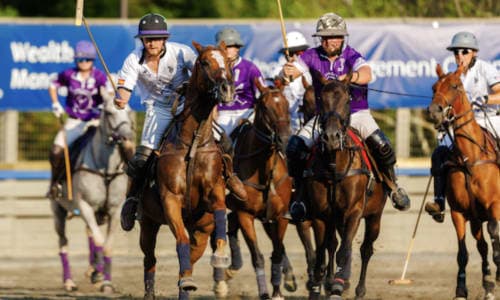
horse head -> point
(335, 112)
(212, 74)
(308, 106)
(272, 118)
(449, 101)
(116, 124)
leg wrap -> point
(107, 268)
(183, 253)
(65, 265)
(220, 224)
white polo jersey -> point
(479, 80)
(174, 68)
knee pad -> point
(225, 143)
(381, 148)
(135, 167)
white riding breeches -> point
(361, 120)
(228, 120)
(156, 120)
(491, 123)
(74, 128)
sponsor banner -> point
(403, 56)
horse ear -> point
(222, 45)
(439, 71)
(260, 85)
(197, 46)
(320, 77)
(459, 70)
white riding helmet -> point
(464, 40)
(296, 42)
(331, 24)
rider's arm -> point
(362, 76)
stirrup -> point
(129, 213)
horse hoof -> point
(278, 297)
(264, 297)
(187, 284)
(149, 296)
(70, 285)
(220, 289)
(335, 297)
(230, 273)
(107, 287)
(489, 296)
(220, 261)
(90, 270)
(96, 277)
(290, 283)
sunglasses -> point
(79, 60)
(456, 52)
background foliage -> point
(255, 8)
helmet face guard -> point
(230, 37)
(85, 49)
(331, 24)
(464, 40)
(152, 26)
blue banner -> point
(403, 56)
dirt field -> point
(30, 268)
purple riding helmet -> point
(85, 49)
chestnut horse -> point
(190, 185)
(473, 176)
(341, 192)
(260, 163)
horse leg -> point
(495, 245)
(232, 234)
(88, 216)
(372, 230)
(107, 286)
(304, 232)
(60, 227)
(248, 229)
(173, 213)
(290, 280)
(462, 255)
(275, 232)
(482, 247)
(148, 233)
(92, 257)
(344, 256)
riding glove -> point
(57, 109)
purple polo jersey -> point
(244, 74)
(83, 96)
(317, 61)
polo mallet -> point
(283, 34)
(79, 18)
(403, 280)
(69, 181)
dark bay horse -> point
(99, 187)
(473, 176)
(260, 163)
(341, 193)
(190, 197)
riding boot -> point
(297, 154)
(57, 165)
(385, 158)
(136, 170)
(436, 209)
(233, 183)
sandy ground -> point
(30, 268)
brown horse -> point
(341, 192)
(260, 163)
(191, 188)
(473, 177)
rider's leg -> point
(384, 155)
(233, 183)
(436, 209)
(297, 153)
(57, 165)
(136, 172)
